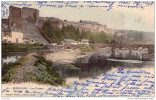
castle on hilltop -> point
(20, 27)
(24, 25)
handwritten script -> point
(119, 83)
(108, 5)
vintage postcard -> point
(77, 49)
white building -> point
(72, 42)
(76, 43)
(85, 41)
(68, 41)
(12, 37)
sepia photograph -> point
(77, 49)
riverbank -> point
(67, 56)
(31, 68)
(91, 84)
(10, 47)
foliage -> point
(86, 48)
(72, 67)
(69, 32)
(20, 47)
(44, 73)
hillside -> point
(138, 35)
(69, 32)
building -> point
(76, 43)
(26, 40)
(24, 21)
(85, 42)
(68, 41)
(72, 42)
(12, 37)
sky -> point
(120, 18)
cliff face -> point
(96, 28)
(82, 26)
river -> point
(94, 69)
(90, 66)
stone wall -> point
(86, 27)
(5, 25)
(96, 28)
(41, 21)
(30, 12)
(12, 37)
(55, 22)
(15, 19)
(24, 20)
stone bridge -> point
(130, 47)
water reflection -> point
(11, 57)
(92, 65)
(96, 65)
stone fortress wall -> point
(82, 25)
(15, 19)
(24, 20)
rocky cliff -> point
(82, 25)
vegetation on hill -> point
(20, 47)
(69, 32)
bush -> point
(44, 73)
(86, 49)
(20, 47)
(71, 66)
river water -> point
(89, 67)
(97, 66)
(11, 57)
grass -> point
(10, 69)
(82, 53)
(72, 67)
(85, 49)
(6, 47)
(44, 73)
